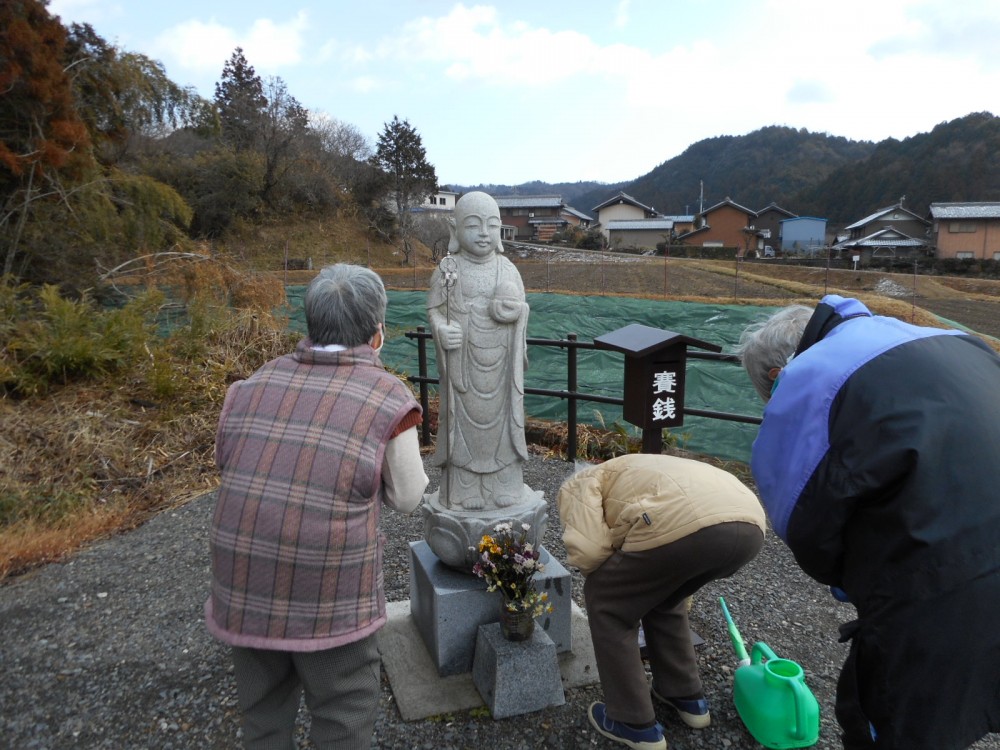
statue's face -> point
(477, 225)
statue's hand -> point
(450, 336)
(505, 310)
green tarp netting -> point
(714, 386)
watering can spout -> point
(734, 635)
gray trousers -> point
(341, 687)
(652, 587)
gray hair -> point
(344, 305)
(771, 343)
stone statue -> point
(478, 316)
(479, 321)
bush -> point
(51, 340)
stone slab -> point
(448, 607)
(516, 678)
(419, 691)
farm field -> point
(971, 302)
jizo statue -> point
(478, 316)
(479, 320)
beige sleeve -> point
(586, 536)
(403, 476)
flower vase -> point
(517, 625)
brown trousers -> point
(652, 587)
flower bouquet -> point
(508, 563)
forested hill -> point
(956, 161)
(576, 194)
(809, 173)
(771, 164)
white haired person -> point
(647, 531)
(877, 465)
(310, 447)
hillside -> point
(771, 164)
(956, 161)
(809, 173)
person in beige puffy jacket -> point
(647, 531)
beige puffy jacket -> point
(641, 501)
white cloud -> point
(205, 46)
(472, 44)
(275, 45)
(197, 46)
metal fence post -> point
(425, 423)
(571, 400)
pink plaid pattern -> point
(296, 551)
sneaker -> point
(693, 713)
(638, 739)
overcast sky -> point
(569, 90)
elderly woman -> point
(876, 462)
(309, 448)
(647, 531)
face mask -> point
(381, 342)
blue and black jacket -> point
(878, 462)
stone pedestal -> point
(454, 535)
(449, 606)
(516, 678)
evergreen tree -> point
(401, 156)
(239, 96)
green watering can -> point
(771, 695)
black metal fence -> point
(572, 394)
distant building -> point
(895, 217)
(442, 200)
(533, 217)
(726, 224)
(621, 207)
(682, 222)
(577, 218)
(803, 234)
(767, 226)
(884, 243)
(966, 230)
(639, 234)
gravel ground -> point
(108, 649)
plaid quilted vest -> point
(296, 549)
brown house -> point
(767, 225)
(966, 230)
(533, 217)
(726, 224)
